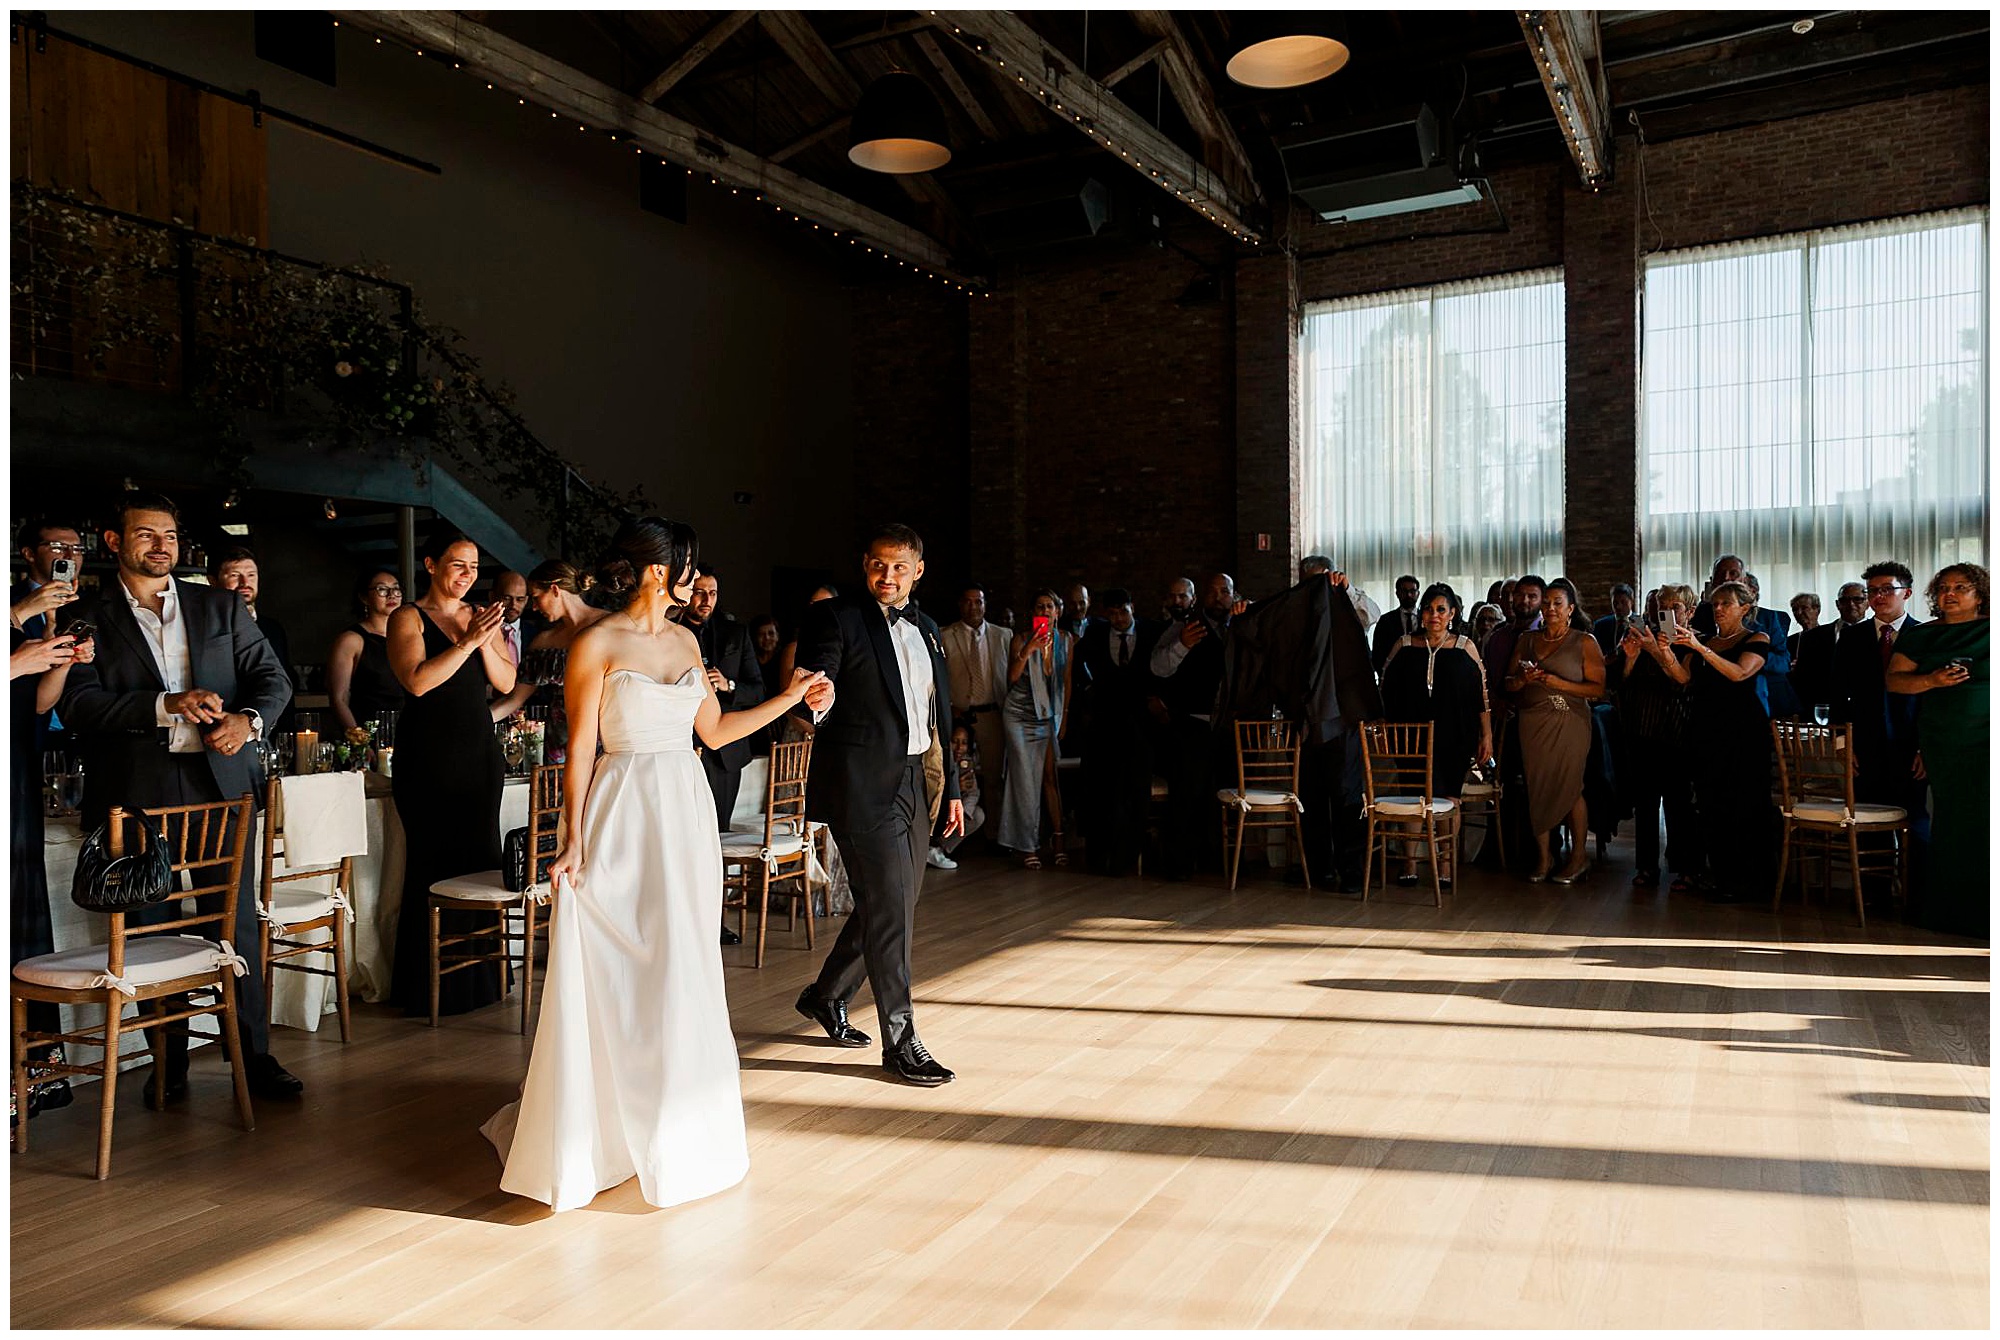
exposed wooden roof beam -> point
(805, 48)
(821, 64)
(1136, 64)
(694, 53)
(528, 73)
(1196, 96)
(1569, 56)
(882, 34)
(811, 137)
(1783, 55)
(927, 43)
(1019, 53)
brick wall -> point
(1103, 425)
(1113, 435)
(910, 413)
(1601, 410)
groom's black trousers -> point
(885, 868)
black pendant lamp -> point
(1287, 49)
(898, 127)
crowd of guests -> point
(1663, 703)
(1086, 688)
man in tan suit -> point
(975, 659)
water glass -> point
(1822, 713)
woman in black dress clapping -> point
(448, 773)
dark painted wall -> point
(695, 360)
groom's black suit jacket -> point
(108, 704)
(860, 749)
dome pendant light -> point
(898, 127)
(1287, 50)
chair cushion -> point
(1158, 789)
(1827, 812)
(753, 825)
(295, 907)
(743, 846)
(149, 959)
(1479, 790)
(485, 886)
(1258, 800)
(1411, 806)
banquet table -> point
(298, 1000)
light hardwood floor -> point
(1177, 1107)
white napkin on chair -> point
(324, 817)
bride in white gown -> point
(634, 1070)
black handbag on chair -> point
(104, 883)
(514, 861)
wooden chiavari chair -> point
(285, 914)
(1266, 794)
(1820, 815)
(1396, 768)
(486, 894)
(779, 854)
(141, 964)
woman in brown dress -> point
(1556, 673)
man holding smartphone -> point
(53, 551)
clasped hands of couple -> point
(810, 687)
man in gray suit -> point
(975, 661)
(168, 714)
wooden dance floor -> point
(1176, 1107)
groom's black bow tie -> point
(895, 612)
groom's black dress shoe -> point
(912, 1063)
(730, 937)
(832, 1016)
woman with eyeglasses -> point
(1947, 662)
(359, 682)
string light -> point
(713, 180)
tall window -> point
(1816, 403)
(1433, 433)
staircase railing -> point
(100, 295)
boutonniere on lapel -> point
(937, 647)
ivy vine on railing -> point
(236, 328)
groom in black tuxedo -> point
(867, 784)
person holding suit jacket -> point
(168, 713)
(891, 699)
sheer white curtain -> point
(1817, 403)
(1433, 433)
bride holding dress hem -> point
(634, 1070)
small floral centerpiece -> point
(351, 754)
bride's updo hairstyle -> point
(643, 542)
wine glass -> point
(1821, 713)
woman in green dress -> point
(1947, 662)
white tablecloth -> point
(298, 1000)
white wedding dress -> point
(634, 1070)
